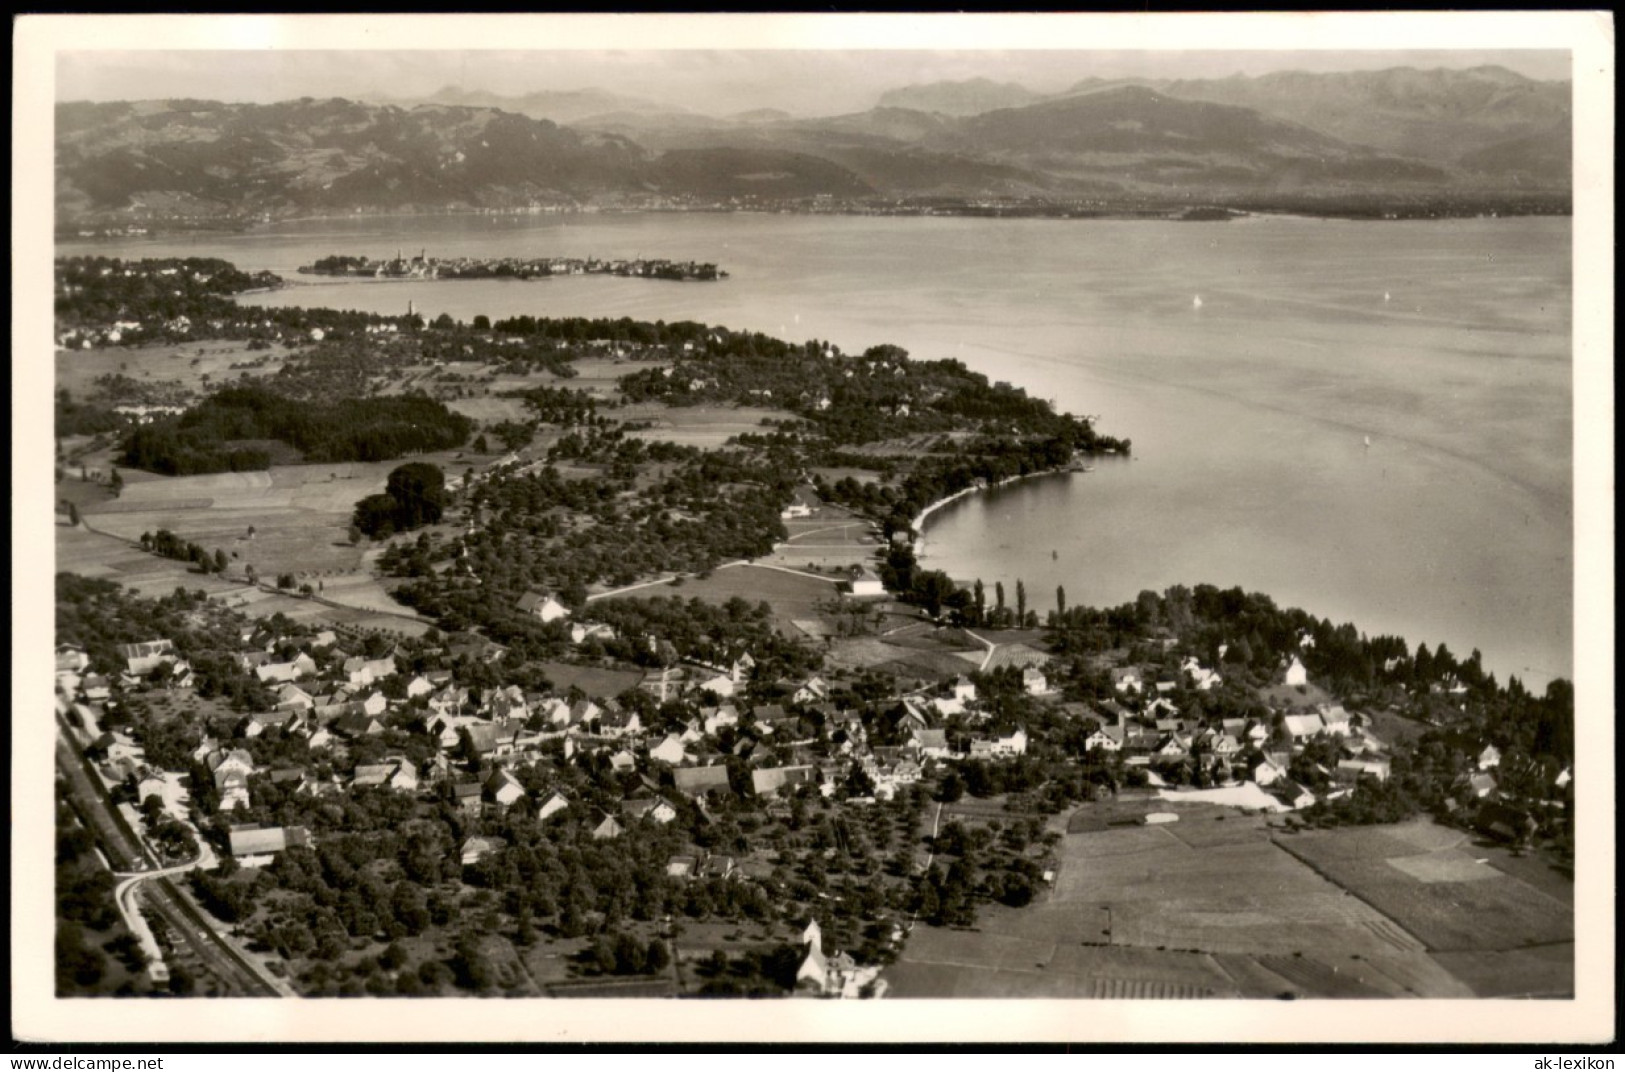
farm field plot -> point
(875, 653)
(1541, 972)
(299, 513)
(945, 963)
(1233, 892)
(1539, 870)
(1428, 897)
(836, 474)
(1197, 908)
(92, 554)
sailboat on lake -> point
(1196, 302)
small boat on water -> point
(1367, 442)
(1196, 302)
(1387, 296)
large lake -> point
(1447, 343)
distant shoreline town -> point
(425, 267)
(1440, 208)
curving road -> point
(134, 864)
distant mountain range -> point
(1397, 133)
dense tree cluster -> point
(413, 496)
(166, 543)
(74, 418)
(211, 436)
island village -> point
(757, 773)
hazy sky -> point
(280, 59)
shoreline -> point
(917, 526)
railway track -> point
(186, 926)
(128, 855)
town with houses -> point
(424, 266)
(353, 716)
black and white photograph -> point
(978, 526)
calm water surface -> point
(1447, 343)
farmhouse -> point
(146, 657)
(476, 849)
(542, 606)
(1292, 794)
(1354, 768)
(1106, 738)
(867, 583)
(504, 788)
(931, 743)
(466, 795)
(1127, 679)
(648, 808)
(606, 828)
(253, 846)
(670, 750)
(1303, 727)
(769, 781)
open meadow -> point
(1226, 904)
(299, 514)
(706, 427)
(182, 371)
(354, 600)
(793, 596)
